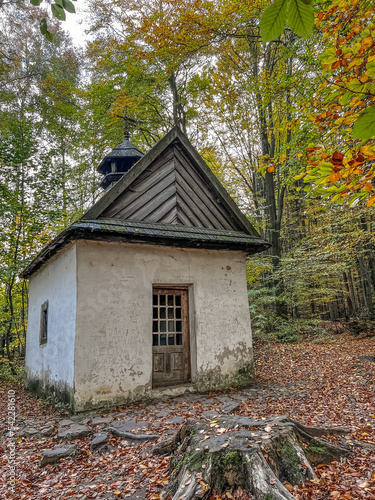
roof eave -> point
(75, 233)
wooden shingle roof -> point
(169, 197)
(172, 184)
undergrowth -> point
(292, 330)
(6, 374)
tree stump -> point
(258, 456)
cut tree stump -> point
(258, 456)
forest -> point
(287, 126)
(278, 97)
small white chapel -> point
(145, 296)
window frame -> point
(43, 328)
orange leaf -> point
(270, 169)
(366, 42)
(288, 486)
(335, 177)
(337, 157)
(371, 201)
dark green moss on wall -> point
(56, 393)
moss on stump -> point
(234, 451)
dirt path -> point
(317, 384)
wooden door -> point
(170, 337)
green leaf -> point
(300, 17)
(355, 85)
(329, 56)
(321, 180)
(370, 68)
(36, 2)
(345, 98)
(68, 6)
(49, 36)
(273, 19)
(43, 27)
(59, 2)
(58, 12)
(44, 30)
(364, 127)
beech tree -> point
(212, 59)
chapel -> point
(145, 295)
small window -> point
(43, 323)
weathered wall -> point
(113, 351)
(49, 367)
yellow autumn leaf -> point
(366, 150)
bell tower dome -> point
(121, 159)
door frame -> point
(188, 288)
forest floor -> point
(328, 383)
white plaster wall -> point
(113, 359)
(53, 363)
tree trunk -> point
(179, 114)
(273, 207)
(366, 287)
(237, 452)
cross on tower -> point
(128, 123)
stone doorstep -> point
(176, 420)
(65, 422)
(101, 420)
(32, 432)
(100, 440)
(54, 455)
(229, 407)
(75, 431)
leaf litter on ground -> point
(315, 384)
